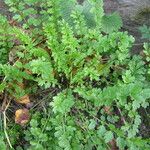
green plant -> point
(2, 143)
(6, 42)
(101, 86)
(145, 30)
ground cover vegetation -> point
(97, 92)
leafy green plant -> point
(2, 143)
(145, 30)
(6, 42)
(101, 86)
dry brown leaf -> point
(22, 116)
(13, 22)
(23, 100)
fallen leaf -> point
(22, 116)
(23, 100)
(13, 22)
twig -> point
(48, 96)
(122, 118)
(6, 135)
(5, 124)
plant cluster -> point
(102, 87)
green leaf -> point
(2, 144)
(111, 23)
(2, 86)
(108, 136)
(145, 30)
(101, 131)
(92, 124)
(63, 102)
(128, 78)
(121, 143)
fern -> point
(98, 85)
(66, 9)
(2, 143)
(62, 103)
(6, 42)
(111, 23)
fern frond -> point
(66, 8)
(112, 22)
